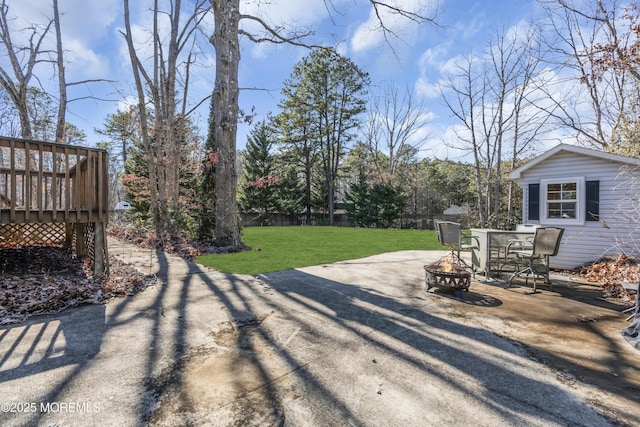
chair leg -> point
(533, 273)
(547, 280)
(516, 272)
(519, 273)
(455, 257)
(530, 271)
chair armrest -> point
(518, 245)
(473, 241)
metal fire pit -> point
(447, 275)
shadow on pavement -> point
(306, 341)
(385, 324)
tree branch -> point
(276, 38)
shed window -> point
(562, 201)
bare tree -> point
(392, 132)
(586, 98)
(490, 96)
(529, 123)
(157, 84)
(462, 94)
(23, 60)
(225, 95)
(9, 120)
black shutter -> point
(593, 201)
(534, 201)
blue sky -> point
(418, 60)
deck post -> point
(99, 249)
(81, 245)
(68, 235)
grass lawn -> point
(282, 248)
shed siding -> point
(615, 232)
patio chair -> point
(518, 244)
(527, 227)
(450, 234)
(546, 243)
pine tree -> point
(207, 186)
(290, 191)
(259, 179)
(324, 98)
(375, 205)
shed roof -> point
(455, 210)
(517, 172)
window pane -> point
(568, 210)
(555, 210)
(562, 200)
(553, 196)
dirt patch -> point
(573, 327)
(124, 228)
(225, 384)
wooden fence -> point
(48, 183)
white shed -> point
(594, 195)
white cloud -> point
(85, 62)
(84, 25)
(80, 19)
(342, 48)
(427, 89)
(371, 34)
(128, 102)
(444, 144)
(293, 15)
(434, 65)
(289, 12)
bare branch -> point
(81, 82)
(95, 98)
(17, 86)
(419, 17)
(276, 37)
(413, 16)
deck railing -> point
(47, 182)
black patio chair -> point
(546, 243)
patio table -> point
(490, 256)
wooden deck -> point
(48, 183)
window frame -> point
(580, 200)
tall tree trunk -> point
(307, 191)
(62, 83)
(160, 128)
(225, 95)
(142, 111)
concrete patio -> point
(351, 343)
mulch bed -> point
(46, 280)
(610, 273)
